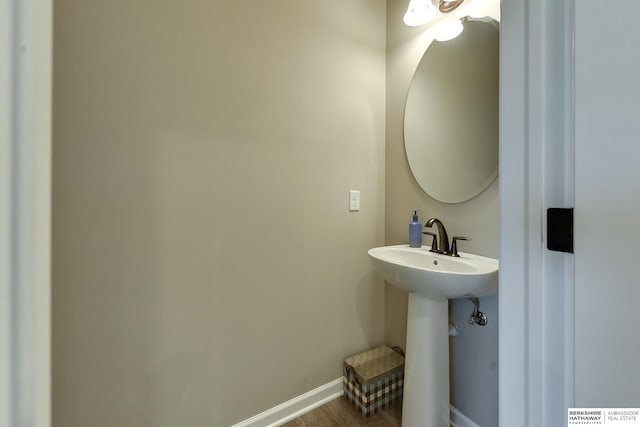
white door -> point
(607, 204)
(570, 136)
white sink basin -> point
(435, 275)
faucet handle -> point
(454, 245)
(434, 241)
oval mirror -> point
(451, 116)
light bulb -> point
(478, 9)
(450, 30)
(419, 12)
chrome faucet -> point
(442, 236)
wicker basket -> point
(374, 379)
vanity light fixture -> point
(449, 30)
(419, 13)
(449, 6)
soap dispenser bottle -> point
(415, 231)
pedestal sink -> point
(431, 279)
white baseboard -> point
(310, 400)
(297, 406)
(458, 419)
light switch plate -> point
(354, 200)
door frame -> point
(536, 297)
(25, 212)
(536, 172)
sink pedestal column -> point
(426, 376)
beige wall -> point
(205, 263)
(476, 218)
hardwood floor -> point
(341, 412)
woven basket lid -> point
(375, 362)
